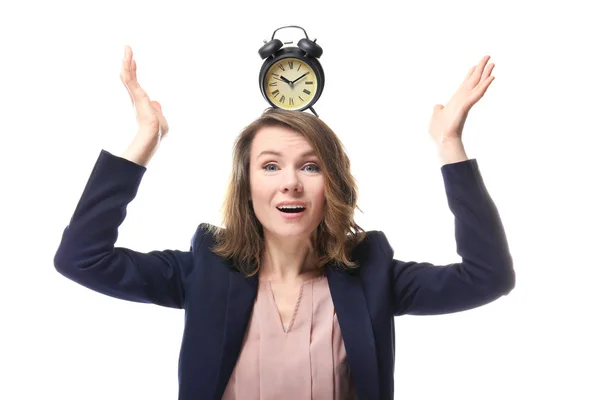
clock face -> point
(290, 83)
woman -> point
(291, 298)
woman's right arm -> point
(87, 252)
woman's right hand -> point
(152, 124)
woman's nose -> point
(291, 182)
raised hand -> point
(447, 122)
(152, 125)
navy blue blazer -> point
(218, 300)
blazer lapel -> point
(353, 316)
(240, 301)
(357, 331)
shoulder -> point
(205, 235)
(374, 241)
(202, 247)
(374, 259)
(373, 249)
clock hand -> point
(283, 78)
(297, 79)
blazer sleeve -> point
(486, 271)
(87, 252)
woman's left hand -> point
(447, 121)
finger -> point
(156, 105)
(126, 58)
(163, 122)
(127, 63)
(134, 69)
(479, 69)
(474, 76)
(129, 68)
(129, 78)
(487, 84)
(164, 126)
(487, 72)
(482, 89)
(126, 74)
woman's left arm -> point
(486, 271)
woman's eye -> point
(314, 166)
(266, 167)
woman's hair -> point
(242, 239)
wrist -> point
(452, 151)
(141, 150)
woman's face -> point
(283, 168)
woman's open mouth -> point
(291, 212)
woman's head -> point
(287, 187)
(288, 156)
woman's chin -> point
(291, 231)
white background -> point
(534, 134)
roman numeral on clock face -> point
(291, 101)
(282, 99)
(291, 64)
(306, 91)
(275, 93)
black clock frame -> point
(293, 52)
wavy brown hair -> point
(241, 239)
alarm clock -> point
(291, 78)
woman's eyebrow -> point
(278, 154)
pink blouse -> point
(306, 362)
